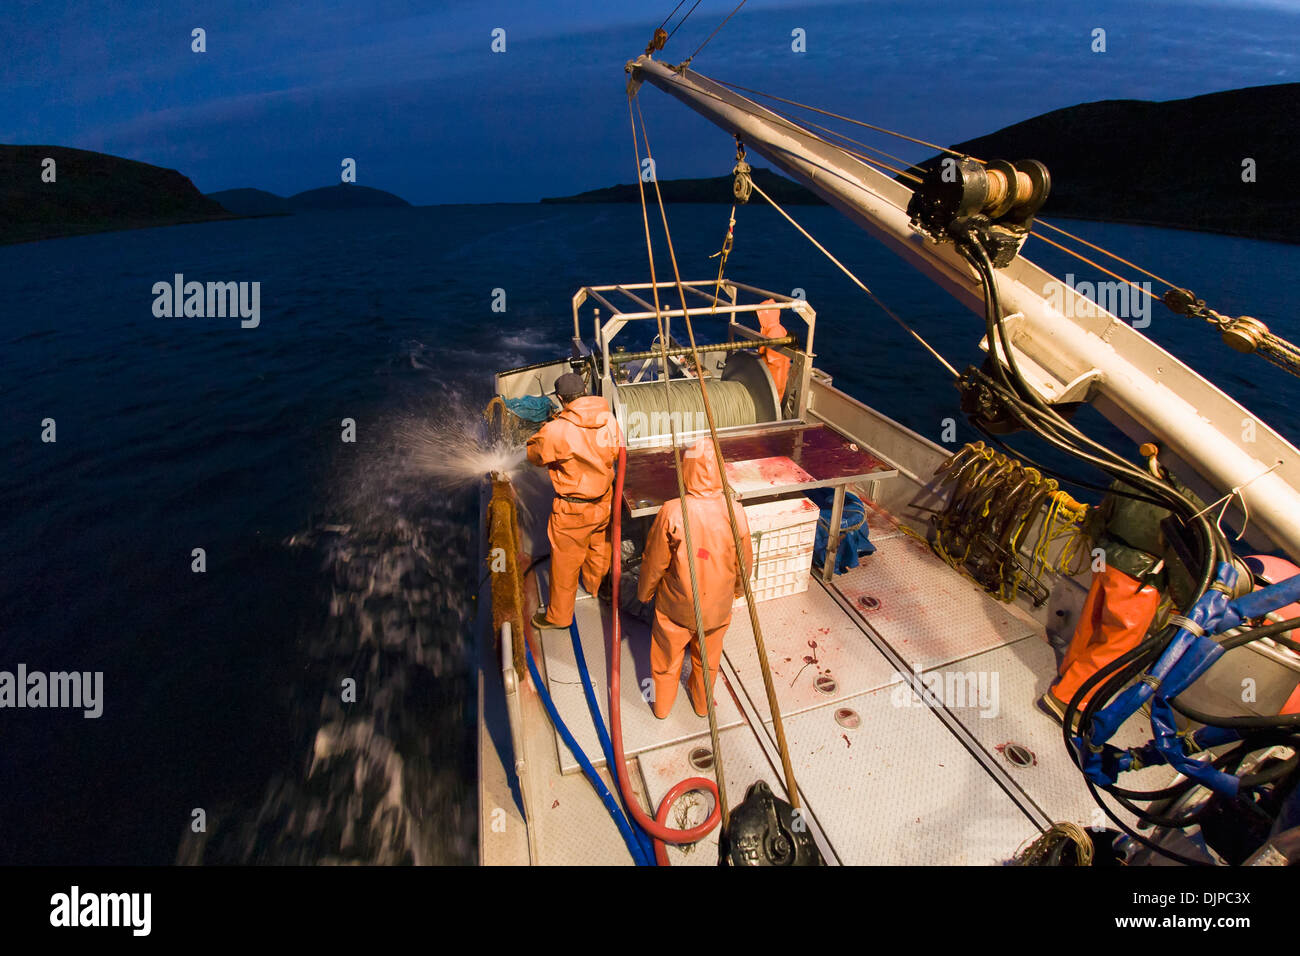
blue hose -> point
(606, 745)
(615, 811)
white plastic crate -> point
(778, 528)
(779, 576)
(780, 542)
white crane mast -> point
(1068, 347)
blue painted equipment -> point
(855, 538)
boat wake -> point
(382, 773)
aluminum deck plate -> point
(791, 625)
(642, 730)
(927, 612)
(1023, 672)
(900, 789)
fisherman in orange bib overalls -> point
(579, 447)
(769, 323)
(666, 577)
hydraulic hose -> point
(656, 827)
(642, 841)
(606, 746)
(607, 798)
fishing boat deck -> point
(884, 778)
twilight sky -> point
(415, 94)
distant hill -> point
(92, 192)
(1176, 163)
(252, 202)
(344, 196)
(259, 202)
(715, 190)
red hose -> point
(657, 828)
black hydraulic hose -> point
(1137, 657)
(1213, 541)
(1172, 499)
(1273, 631)
(1237, 723)
(1251, 722)
(994, 321)
(1021, 391)
(1228, 762)
(1133, 834)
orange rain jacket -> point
(579, 447)
(779, 365)
(666, 577)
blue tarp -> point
(853, 543)
(531, 408)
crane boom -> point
(1069, 348)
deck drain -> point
(868, 603)
(701, 758)
(847, 718)
(825, 684)
(1019, 755)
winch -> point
(741, 389)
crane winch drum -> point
(744, 394)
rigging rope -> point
(1107, 252)
(674, 10)
(682, 20)
(721, 793)
(1082, 258)
(774, 707)
(846, 119)
(859, 283)
(706, 43)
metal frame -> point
(611, 298)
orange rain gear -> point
(1114, 620)
(769, 323)
(666, 577)
(579, 447)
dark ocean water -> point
(328, 560)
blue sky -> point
(414, 93)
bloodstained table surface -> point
(825, 457)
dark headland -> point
(91, 192)
(1177, 164)
(85, 192)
